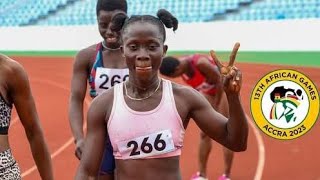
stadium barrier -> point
(286, 35)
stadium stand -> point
(278, 10)
(27, 12)
(82, 12)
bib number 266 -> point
(150, 145)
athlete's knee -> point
(227, 151)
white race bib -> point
(146, 146)
(107, 78)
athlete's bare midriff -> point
(145, 169)
(4, 143)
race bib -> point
(107, 78)
(146, 146)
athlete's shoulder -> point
(105, 97)
(179, 87)
(13, 73)
(10, 66)
(104, 101)
(84, 58)
(183, 91)
(87, 53)
(195, 58)
(203, 59)
(186, 94)
(5, 63)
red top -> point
(198, 81)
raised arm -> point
(24, 103)
(78, 93)
(95, 139)
(232, 132)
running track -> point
(265, 158)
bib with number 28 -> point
(147, 146)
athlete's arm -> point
(212, 75)
(208, 70)
(23, 101)
(236, 130)
(95, 139)
(77, 96)
(231, 133)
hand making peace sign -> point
(232, 77)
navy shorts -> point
(108, 162)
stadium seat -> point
(82, 12)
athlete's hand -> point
(232, 77)
(79, 148)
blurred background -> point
(260, 25)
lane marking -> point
(68, 142)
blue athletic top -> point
(101, 78)
(5, 116)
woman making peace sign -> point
(146, 116)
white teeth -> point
(111, 39)
(143, 64)
(149, 67)
(143, 68)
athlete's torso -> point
(5, 106)
(6, 72)
(155, 169)
(197, 80)
(102, 78)
(157, 133)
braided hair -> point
(111, 5)
(121, 21)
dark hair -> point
(111, 5)
(121, 21)
(169, 65)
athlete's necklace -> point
(106, 47)
(139, 99)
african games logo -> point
(285, 104)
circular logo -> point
(285, 104)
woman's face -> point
(112, 39)
(143, 49)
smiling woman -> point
(147, 120)
(141, 44)
(144, 43)
(102, 66)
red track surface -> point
(275, 159)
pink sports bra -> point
(158, 133)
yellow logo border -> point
(256, 107)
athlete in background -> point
(201, 73)
(15, 92)
(102, 66)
